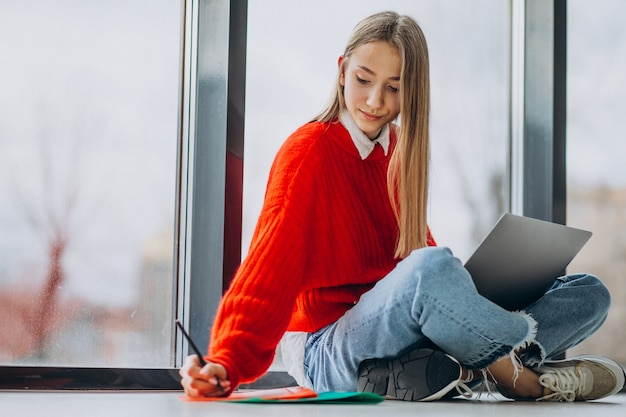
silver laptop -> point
(521, 257)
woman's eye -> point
(361, 80)
(394, 89)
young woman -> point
(344, 273)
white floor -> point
(161, 404)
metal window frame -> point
(211, 112)
(538, 109)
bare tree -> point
(49, 216)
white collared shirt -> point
(364, 145)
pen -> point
(198, 353)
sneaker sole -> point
(420, 375)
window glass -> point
(596, 173)
(291, 70)
(88, 145)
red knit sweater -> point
(325, 235)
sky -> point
(104, 103)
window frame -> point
(538, 109)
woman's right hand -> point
(208, 381)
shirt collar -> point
(363, 144)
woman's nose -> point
(375, 98)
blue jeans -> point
(430, 297)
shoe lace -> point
(564, 384)
(462, 388)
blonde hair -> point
(408, 168)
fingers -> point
(208, 381)
(217, 378)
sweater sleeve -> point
(256, 309)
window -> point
(144, 105)
(596, 175)
(88, 170)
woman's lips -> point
(370, 116)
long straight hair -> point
(407, 176)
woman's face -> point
(371, 81)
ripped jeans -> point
(430, 297)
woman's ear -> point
(341, 74)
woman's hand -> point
(208, 381)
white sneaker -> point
(580, 378)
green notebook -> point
(293, 395)
(331, 397)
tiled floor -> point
(161, 404)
